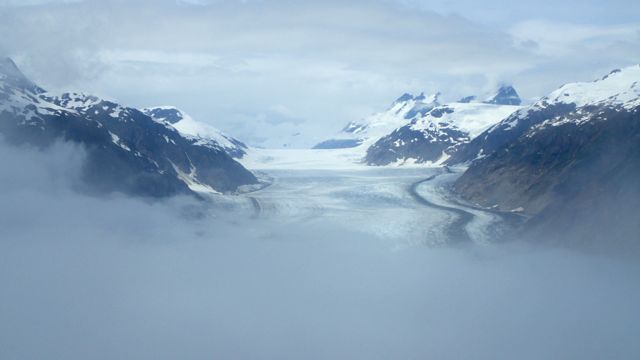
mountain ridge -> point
(127, 151)
(571, 161)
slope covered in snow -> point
(204, 133)
(434, 136)
(574, 103)
(421, 130)
(365, 132)
(620, 87)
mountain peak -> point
(188, 126)
(10, 74)
(422, 98)
(620, 86)
(8, 66)
(506, 95)
(170, 114)
(404, 98)
(467, 99)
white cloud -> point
(324, 61)
(561, 39)
(35, 2)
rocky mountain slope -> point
(571, 161)
(127, 150)
(506, 95)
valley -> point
(401, 206)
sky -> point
(287, 72)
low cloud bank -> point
(119, 278)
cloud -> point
(248, 56)
(566, 39)
(35, 2)
(325, 61)
(504, 14)
(569, 52)
(115, 277)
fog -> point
(111, 277)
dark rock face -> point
(353, 127)
(467, 99)
(404, 97)
(506, 95)
(127, 150)
(578, 178)
(169, 115)
(422, 145)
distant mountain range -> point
(419, 129)
(368, 130)
(147, 153)
(434, 136)
(570, 162)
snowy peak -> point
(422, 105)
(169, 114)
(467, 99)
(9, 71)
(405, 108)
(12, 76)
(129, 151)
(619, 87)
(422, 98)
(205, 134)
(574, 103)
(404, 98)
(436, 135)
(506, 95)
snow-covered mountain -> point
(367, 131)
(127, 150)
(571, 160)
(205, 134)
(418, 129)
(618, 89)
(435, 135)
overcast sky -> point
(265, 70)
